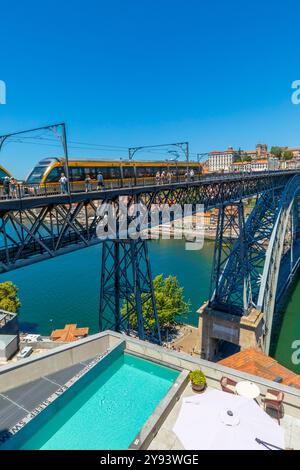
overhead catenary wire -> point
(91, 146)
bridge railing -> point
(25, 190)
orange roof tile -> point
(257, 363)
(69, 333)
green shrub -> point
(197, 377)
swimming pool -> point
(107, 412)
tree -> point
(277, 151)
(170, 303)
(287, 155)
(9, 299)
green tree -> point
(170, 303)
(277, 151)
(9, 299)
(287, 155)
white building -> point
(221, 161)
(265, 164)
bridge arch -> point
(252, 270)
(286, 226)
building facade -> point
(221, 162)
(266, 164)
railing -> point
(5, 317)
(27, 190)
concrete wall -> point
(7, 351)
(35, 366)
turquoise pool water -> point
(108, 412)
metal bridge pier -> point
(229, 316)
(127, 301)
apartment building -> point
(221, 161)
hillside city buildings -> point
(260, 159)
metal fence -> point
(26, 190)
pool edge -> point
(151, 427)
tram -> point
(48, 171)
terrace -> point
(29, 388)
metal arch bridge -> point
(255, 267)
(37, 228)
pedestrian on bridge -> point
(169, 177)
(157, 178)
(100, 181)
(192, 174)
(88, 183)
(6, 186)
(63, 180)
(13, 187)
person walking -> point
(13, 187)
(192, 174)
(163, 176)
(6, 187)
(63, 180)
(157, 178)
(100, 181)
(169, 177)
(88, 183)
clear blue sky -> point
(134, 72)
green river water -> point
(66, 290)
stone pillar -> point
(214, 325)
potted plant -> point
(198, 380)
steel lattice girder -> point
(34, 229)
(126, 291)
(268, 293)
(231, 228)
(232, 273)
(241, 265)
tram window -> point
(141, 172)
(54, 175)
(128, 172)
(89, 170)
(115, 172)
(76, 174)
(2, 174)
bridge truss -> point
(255, 260)
(38, 228)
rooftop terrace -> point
(26, 386)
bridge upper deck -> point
(210, 190)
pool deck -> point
(26, 384)
(166, 439)
(18, 402)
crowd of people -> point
(169, 177)
(13, 189)
(88, 183)
(10, 186)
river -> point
(66, 290)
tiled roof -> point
(69, 333)
(257, 363)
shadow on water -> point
(29, 327)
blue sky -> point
(135, 72)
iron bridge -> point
(247, 266)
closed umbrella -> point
(220, 420)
